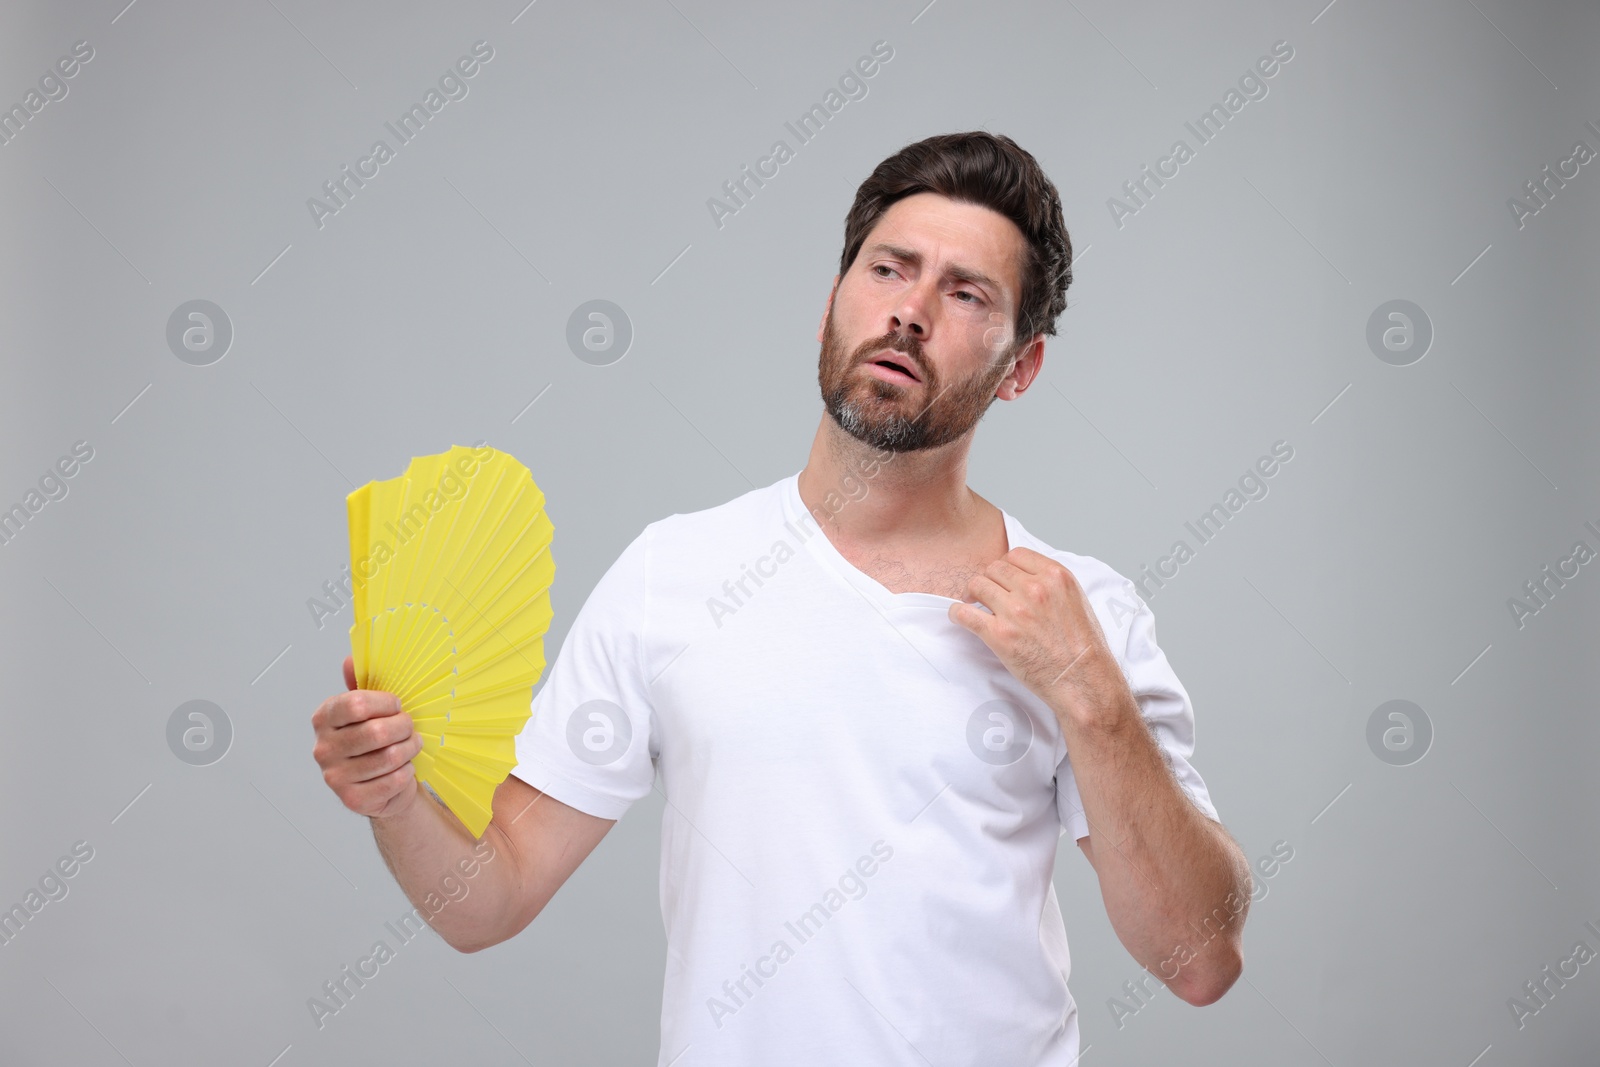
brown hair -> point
(979, 167)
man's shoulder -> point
(686, 548)
(735, 517)
(1097, 577)
(674, 559)
(1113, 598)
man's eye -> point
(975, 297)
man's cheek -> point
(997, 337)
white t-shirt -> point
(863, 805)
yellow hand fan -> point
(451, 572)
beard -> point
(896, 417)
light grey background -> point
(1230, 312)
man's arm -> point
(536, 841)
(1176, 885)
(531, 846)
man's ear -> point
(1024, 371)
(823, 322)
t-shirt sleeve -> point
(588, 741)
(1166, 708)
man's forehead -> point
(966, 239)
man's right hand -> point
(364, 746)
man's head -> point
(956, 263)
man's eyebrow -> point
(960, 273)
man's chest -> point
(949, 579)
(806, 696)
(945, 571)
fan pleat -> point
(451, 594)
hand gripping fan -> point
(451, 572)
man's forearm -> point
(1176, 885)
(462, 887)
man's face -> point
(935, 287)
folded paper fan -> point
(451, 571)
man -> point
(874, 700)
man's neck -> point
(863, 496)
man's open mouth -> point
(899, 366)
